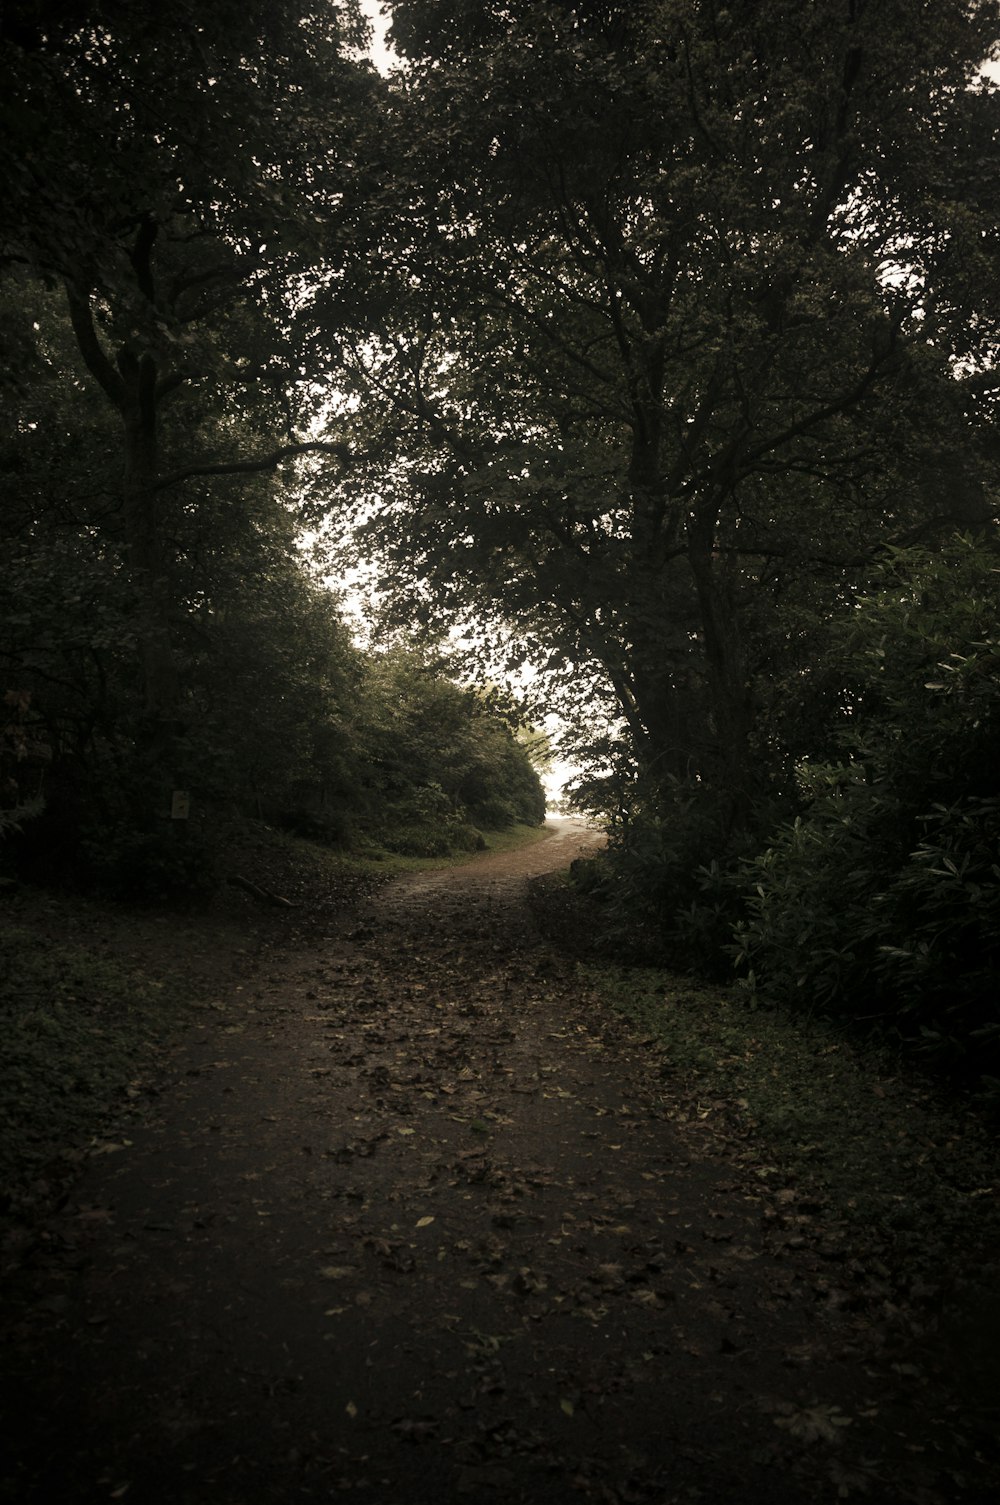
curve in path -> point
(414, 1224)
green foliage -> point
(882, 900)
(639, 383)
(152, 603)
(149, 867)
(668, 881)
(77, 1028)
(432, 838)
(866, 1136)
(437, 758)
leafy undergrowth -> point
(872, 1139)
(80, 1025)
(856, 1157)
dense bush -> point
(437, 755)
(881, 902)
(669, 880)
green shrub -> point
(329, 826)
(669, 882)
(495, 813)
(810, 896)
(882, 901)
(942, 966)
(148, 867)
(443, 840)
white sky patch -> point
(383, 58)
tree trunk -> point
(730, 698)
(161, 685)
(130, 384)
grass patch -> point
(310, 873)
(381, 861)
(878, 1144)
(512, 838)
(79, 1030)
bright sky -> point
(380, 55)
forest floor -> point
(413, 1217)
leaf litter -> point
(604, 1304)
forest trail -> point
(413, 1222)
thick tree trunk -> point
(147, 562)
(130, 384)
(730, 697)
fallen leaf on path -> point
(415, 1431)
(812, 1423)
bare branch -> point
(95, 358)
(253, 467)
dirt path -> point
(414, 1224)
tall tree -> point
(166, 170)
(688, 296)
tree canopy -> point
(685, 316)
(166, 172)
(175, 182)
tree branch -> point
(95, 359)
(170, 383)
(253, 467)
(840, 404)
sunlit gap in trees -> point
(361, 598)
(381, 55)
(358, 586)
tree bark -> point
(148, 566)
(730, 693)
(130, 385)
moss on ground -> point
(880, 1148)
(81, 1028)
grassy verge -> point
(510, 839)
(873, 1145)
(380, 863)
(82, 1029)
